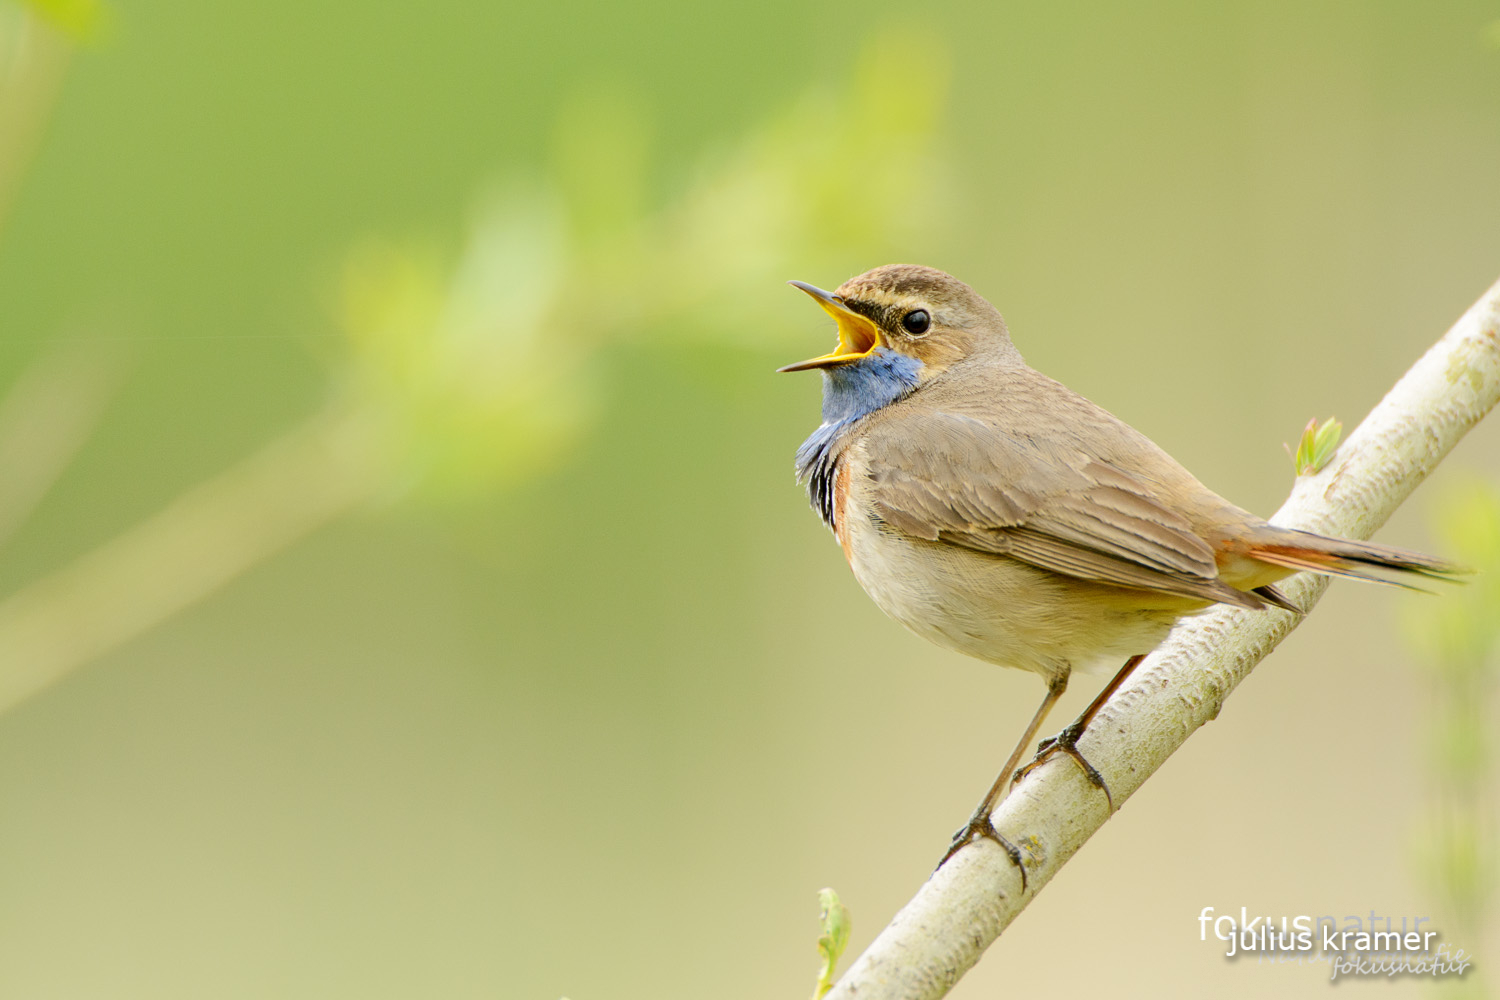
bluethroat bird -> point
(996, 512)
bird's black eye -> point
(916, 322)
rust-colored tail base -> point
(1303, 550)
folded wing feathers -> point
(1094, 521)
(1062, 557)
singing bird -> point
(996, 512)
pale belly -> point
(1004, 611)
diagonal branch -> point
(45, 418)
(966, 905)
(198, 543)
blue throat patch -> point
(850, 392)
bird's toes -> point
(981, 827)
(1066, 742)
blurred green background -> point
(500, 656)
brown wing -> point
(1039, 498)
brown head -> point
(916, 311)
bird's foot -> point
(979, 825)
(1066, 742)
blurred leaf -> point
(461, 369)
(1491, 34)
(484, 371)
(840, 183)
(601, 146)
(1461, 633)
(81, 20)
(1459, 637)
(834, 920)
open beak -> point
(857, 335)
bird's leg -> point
(979, 824)
(1067, 740)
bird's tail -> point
(1304, 550)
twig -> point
(33, 60)
(45, 418)
(966, 905)
(201, 541)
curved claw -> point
(1067, 742)
(980, 826)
